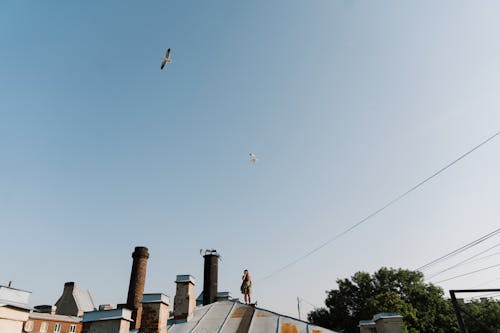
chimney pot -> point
(69, 286)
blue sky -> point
(347, 104)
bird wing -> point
(167, 55)
(163, 62)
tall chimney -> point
(210, 276)
(136, 286)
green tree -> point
(423, 307)
(486, 311)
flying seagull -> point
(166, 60)
(253, 158)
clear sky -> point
(346, 103)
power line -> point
(459, 250)
(485, 257)
(487, 282)
(463, 261)
(307, 302)
(387, 205)
(469, 273)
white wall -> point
(12, 320)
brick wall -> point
(51, 325)
(154, 318)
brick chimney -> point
(116, 320)
(136, 287)
(184, 300)
(155, 313)
(210, 276)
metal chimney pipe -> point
(210, 276)
(136, 287)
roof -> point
(185, 278)
(221, 295)
(235, 317)
(13, 297)
(366, 323)
(155, 298)
(48, 316)
(386, 315)
(83, 299)
(125, 314)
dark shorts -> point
(246, 287)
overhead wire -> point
(485, 257)
(465, 261)
(469, 273)
(378, 211)
(459, 250)
(311, 304)
(487, 282)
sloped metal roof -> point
(235, 317)
(83, 299)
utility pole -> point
(298, 306)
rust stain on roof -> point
(239, 312)
(288, 328)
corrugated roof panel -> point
(263, 321)
(239, 319)
(214, 319)
(289, 325)
(186, 327)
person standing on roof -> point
(246, 286)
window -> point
(43, 327)
(57, 328)
(72, 329)
(28, 326)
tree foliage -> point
(487, 311)
(422, 305)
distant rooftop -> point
(13, 297)
(155, 298)
(386, 315)
(125, 314)
(48, 316)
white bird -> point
(253, 158)
(166, 60)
